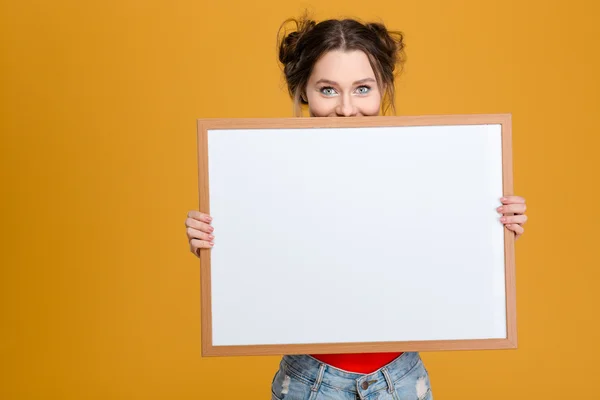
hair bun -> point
(289, 49)
(393, 42)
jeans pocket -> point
(281, 384)
(274, 396)
(414, 385)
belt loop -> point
(317, 384)
(388, 380)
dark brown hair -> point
(301, 48)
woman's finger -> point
(512, 209)
(512, 200)
(515, 219)
(516, 228)
(197, 215)
(192, 223)
(196, 234)
(196, 245)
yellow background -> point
(99, 294)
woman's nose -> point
(346, 108)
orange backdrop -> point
(99, 294)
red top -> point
(363, 363)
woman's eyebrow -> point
(365, 80)
(333, 83)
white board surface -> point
(342, 235)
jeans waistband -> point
(315, 373)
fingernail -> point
(211, 229)
(211, 244)
(499, 209)
(209, 219)
(503, 199)
(503, 219)
(211, 237)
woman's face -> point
(342, 84)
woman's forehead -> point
(343, 67)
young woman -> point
(344, 68)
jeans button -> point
(365, 385)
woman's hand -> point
(513, 205)
(199, 231)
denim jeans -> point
(302, 377)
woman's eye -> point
(328, 91)
(363, 89)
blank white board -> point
(371, 234)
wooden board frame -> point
(208, 349)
